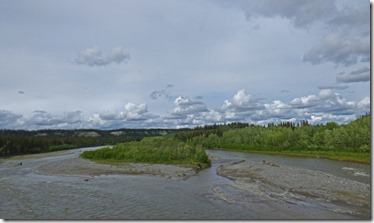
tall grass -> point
(160, 150)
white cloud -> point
(186, 106)
(364, 104)
(135, 112)
(326, 102)
(242, 101)
(323, 107)
(94, 57)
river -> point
(27, 194)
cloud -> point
(9, 119)
(94, 57)
(132, 116)
(134, 112)
(131, 112)
(242, 102)
(301, 12)
(352, 19)
(352, 23)
(66, 120)
(364, 104)
(326, 102)
(333, 87)
(339, 50)
(241, 107)
(325, 106)
(160, 94)
(360, 75)
(185, 106)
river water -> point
(27, 194)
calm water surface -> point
(25, 194)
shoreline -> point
(81, 167)
(306, 153)
(287, 184)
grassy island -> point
(157, 150)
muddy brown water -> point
(28, 194)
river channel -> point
(28, 194)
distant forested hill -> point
(17, 142)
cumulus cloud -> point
(131, 112)
(186, 106)
(94, 57)
(325, 106)
(134, 112)
(327, 102)
(242, 101)
(132, 116)
(301, 12)
(360, 75)
(339, 50)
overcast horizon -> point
(171, 64)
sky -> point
(171, 64)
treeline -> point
(325, 140)
(19, 142)
(205, 131)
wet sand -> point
(287, 184)
(81, 167)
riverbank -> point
(89, 169)
(287, 184)
(333, 155)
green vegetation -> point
(20, 142)
(349, 142)
(185, 146)
(161, 150)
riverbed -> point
(61, 186)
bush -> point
(153, 150)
